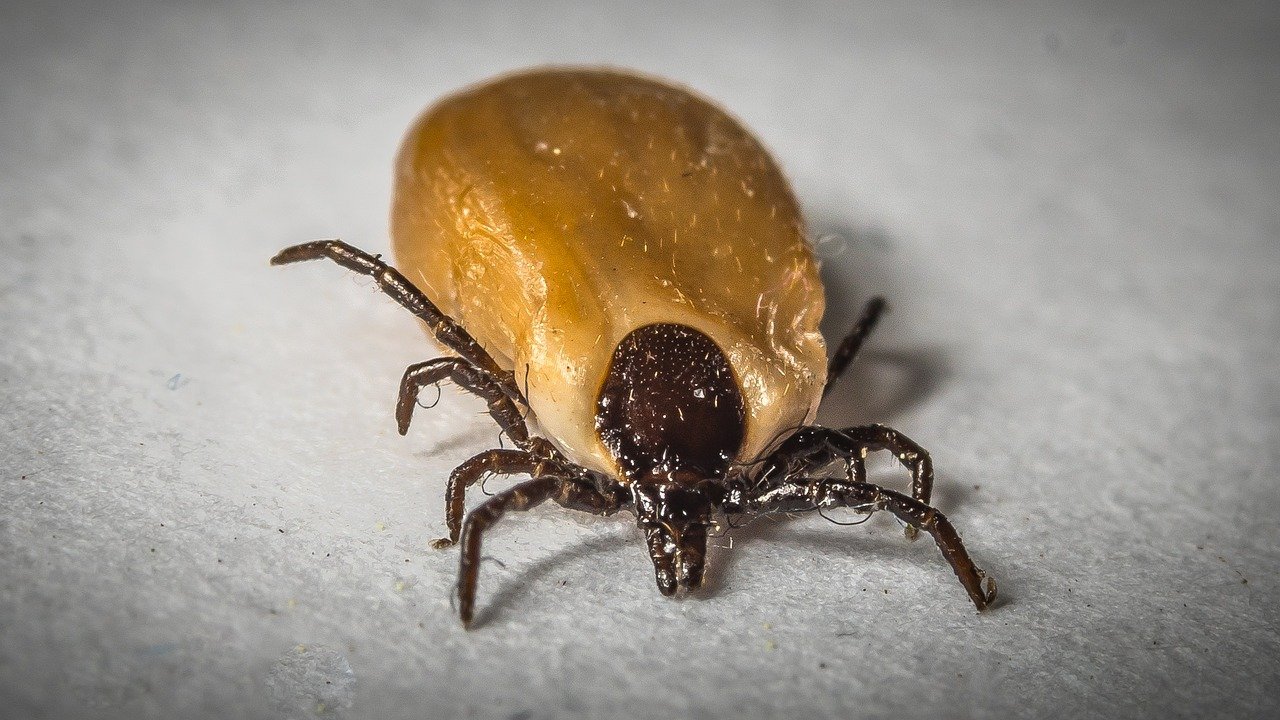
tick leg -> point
(570, 493)
(470, 377)
(442, 327)
(524, 496)
(503, 462)
(832, 492)
(849, 347)
(869, 438)
(810, 448)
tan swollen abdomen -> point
(555, 211)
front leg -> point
(568, 492)
(811, 448)
(503, 462)
(834, 492)
(506, 462)
(869, 438)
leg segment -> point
(842, 493)
(472, 378)
(524, 496)
(848, 347)
(443, 328)
(570, 493)
(504, 462)
(810, 448)
(913, 457)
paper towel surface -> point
(207, 512)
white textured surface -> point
(205, 510)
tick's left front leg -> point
(809, 449)
(835, 492)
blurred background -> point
(205, 510)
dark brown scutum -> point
(670, 406)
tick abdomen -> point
(555, 212)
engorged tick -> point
(672, 374)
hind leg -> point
(848, 348)
(445, 330)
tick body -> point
(621, 271)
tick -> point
(621, 261)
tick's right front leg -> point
(500, 462)
(568, 492)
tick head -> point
(670, 409)
(674, 518)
